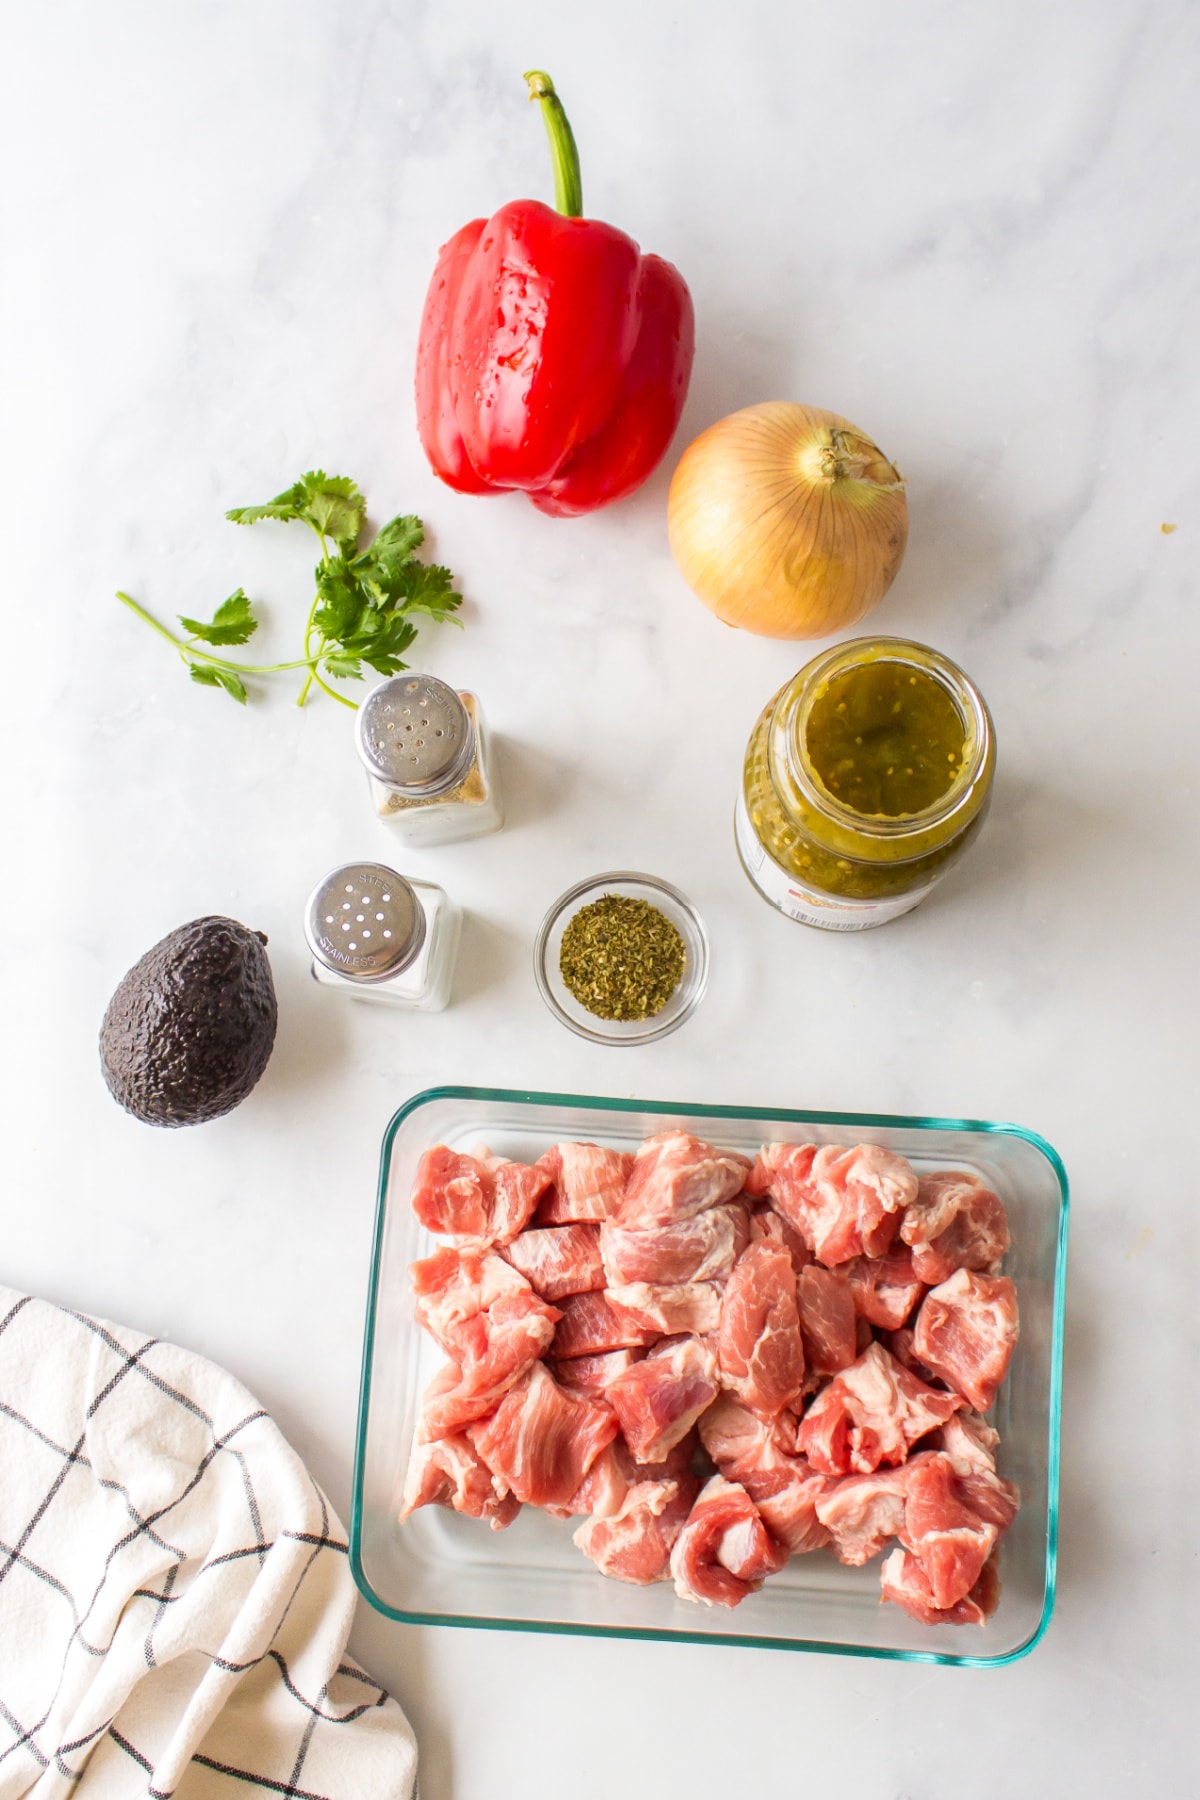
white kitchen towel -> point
(175, 1593)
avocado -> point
(191, 1027)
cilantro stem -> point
(193, 650)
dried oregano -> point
(621, 958)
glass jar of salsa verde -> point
(866, 777)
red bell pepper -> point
(553, 356)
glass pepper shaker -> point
(427, 757)
(379, 937)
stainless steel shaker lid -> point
(415, 734)
(364, 922)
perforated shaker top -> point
(415, 734)
(365, 922)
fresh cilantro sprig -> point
(364, 608)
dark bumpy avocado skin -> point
(191, 1027)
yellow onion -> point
(787, 520)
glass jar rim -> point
(797, 699)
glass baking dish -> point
(441, 1569)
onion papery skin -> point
(787, 520)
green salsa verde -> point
(865, 778)
(885, 738)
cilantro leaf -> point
(207, 676)
(335, 506)
(330, 503)
(232, 623)
(400, 537)
(342, 603)
(288, 505)
(345, 666)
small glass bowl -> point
(674, 906)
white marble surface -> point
(971, 229)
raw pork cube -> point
(861, 1512)
(724, 1551)
(562, 1260)
(969, 1442)
(518, 1190)
(944, 1533)
(453, 1287)
(827, 1328)
(759, 1345)
(783, 1486)
(701, 1248)
(966, 1332)
(515, 1331)
(844, 1203)
(693, 1306)
(900, 1344)
(870, 1414)
(904, 1581)
(588, 1183)
(590, 1325)
(449, 1472)
(675, 1176)
(634, 1543)
(731, 1434)
(445, 1381)
(603, 1489)
(479, 1197)
(765, 1222)
(885, 1289)
(541, 1441)
(955, 1222)
(590, 1375)
(453, 1195)
(659, 1399)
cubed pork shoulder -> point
(481, 1198)
(675, 1176)
(885, 1289)
(559, 1260)
(693, 1306)
(861, 1512)
(450, 1472)
(700, 1248)
(765, 1222)
(589, 1326)
(759, 1345)
(784, 1487)
(659, 1399)
(966, 1332)
(541, 1441)
(587, 1183)
(827, 1320)
(505, 1341)
(872, 1413)
(454, 1287)
(724, 1551)
(843, 1203)
(590, 1375)
(904, 1581)
(955, 1222)
(635, 1542)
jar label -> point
(808, 905)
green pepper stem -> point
(564, 152)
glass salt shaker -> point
(379, 937)
(427, 757)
